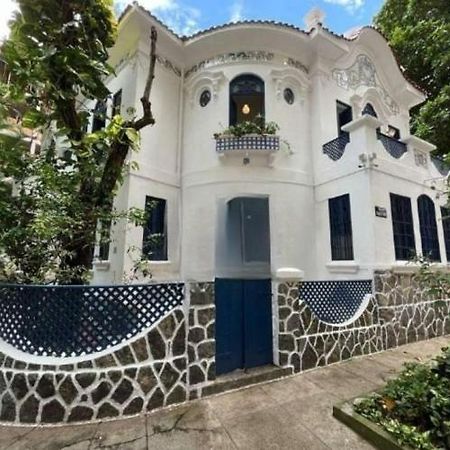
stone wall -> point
(400, 311)
(408, 313)
(143, 374)
(201, 337)
(306, 342)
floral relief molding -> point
(363, 73)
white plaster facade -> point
(179, 163)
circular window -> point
(289, 96)
(205, 98)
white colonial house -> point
(342, 188)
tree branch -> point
(147, 117)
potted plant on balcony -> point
(256, 135)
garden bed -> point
(411, 411)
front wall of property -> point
(174, 360)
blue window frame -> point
(340, 228)
(403, 227)
(445, 213)
(154, 245)
(428, 228)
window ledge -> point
(343, 266)
(101, 265)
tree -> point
(419, 33)
(58, 58)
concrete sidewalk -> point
(294, 413)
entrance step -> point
(241, 378)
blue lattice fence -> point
(79, 320)
(335, 302)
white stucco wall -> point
(178, 161)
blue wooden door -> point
(243, 324)
(257, 323)
(229, 329)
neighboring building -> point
(351, 192)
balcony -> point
(336, 147)
(248, 144)
(393, 146)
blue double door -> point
(243, 324)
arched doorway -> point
(246, 99)
(243, 286)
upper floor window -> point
(246, 99)
(340, 228)
(117, 103)
(344, 115)
(154, 245)
(99, 116)
(428, 228)
(445, 213)
(403, 227)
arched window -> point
(246, 98)
(428, 228)
(369, 110)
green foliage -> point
(419, 33)
(415, 406)
(52, 204)
(258, 126)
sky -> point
(188, 16)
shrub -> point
(415, 406)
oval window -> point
(205, 98)
(289, 96)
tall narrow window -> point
(246, 99)
(428, 228)
(340, 228)
(99, 116)
(344, 115)
(154, 246)
(445, 213)
(117, 103)
(402, 223)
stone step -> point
(246, 377)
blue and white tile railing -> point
(262, 143)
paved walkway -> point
(294, 413)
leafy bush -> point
(415, 406)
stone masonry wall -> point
(306, 342)
(408, 313)
(201, 337)
(399, 312)
(144, 374)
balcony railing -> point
(264, 144)
(440, 164)
(335, 148)
(393, 146)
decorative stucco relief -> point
(363, 73)
(249, 56)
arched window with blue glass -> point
(246, 99)
(428, 228)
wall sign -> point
(380, 212)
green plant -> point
(49, 221)
(415, 406)
(257, 126)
